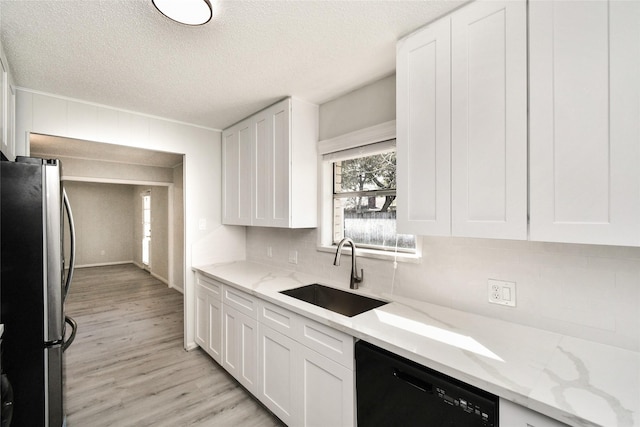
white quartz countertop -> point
(578, 382)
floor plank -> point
(127, 366)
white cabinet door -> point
(202, 320)
(489, 120)
(240, 346)
(263, 170)
(327, 396)
(272, 150)
(279, 191)
(514, 415)
(214, 338)
(236, 174)
(584, 121)
(209, 321)
(279, 378)
(423, 78)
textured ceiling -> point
(125, 54)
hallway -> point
(127, 366)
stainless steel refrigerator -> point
(33, 286)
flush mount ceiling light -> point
(188, 12)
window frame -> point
(353, 140)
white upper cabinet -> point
(462, 124)
(236, 174)
(423, 147)
(585, 121)
(270, 167)
(489, 120)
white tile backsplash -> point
(586, 291)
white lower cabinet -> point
(303, 371)
(306, 370)
(278, 374)
(514, 415)
(209, 317)
(240, 345)
(328, 397)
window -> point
(364, 197)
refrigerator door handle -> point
(74, 329)
(72, 236)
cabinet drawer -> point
(213, 286)
(327, 341)
(278, 318)
(241, 301)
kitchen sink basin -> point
(336, 300)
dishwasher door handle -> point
(413, 381)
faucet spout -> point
(355, 278)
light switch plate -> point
(501, 292)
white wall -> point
(177, 240)
(587, 291)
(54, 115)
(103, 216)
(365, 107)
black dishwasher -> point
(394, 391)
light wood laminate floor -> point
(127, 366)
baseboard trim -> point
(162, 279)
(191, 346)
(104, 264)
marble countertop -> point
(578, 382)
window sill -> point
(376, 254)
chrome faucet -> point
(355, 279)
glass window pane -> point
(369, 221)
(369, 173)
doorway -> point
(146, 230)
(160, 173)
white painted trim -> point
(104, 264)
(117, 162)
(170, 253)
(191, 346)
(95, 104)
(177, 289)
(358, 138)
(162, 279)
(115, 181)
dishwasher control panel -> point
(467, 405)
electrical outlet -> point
(293, 257)
(269, 252)
(502, 292)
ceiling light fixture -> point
(188, 12)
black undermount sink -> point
(336, 300)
